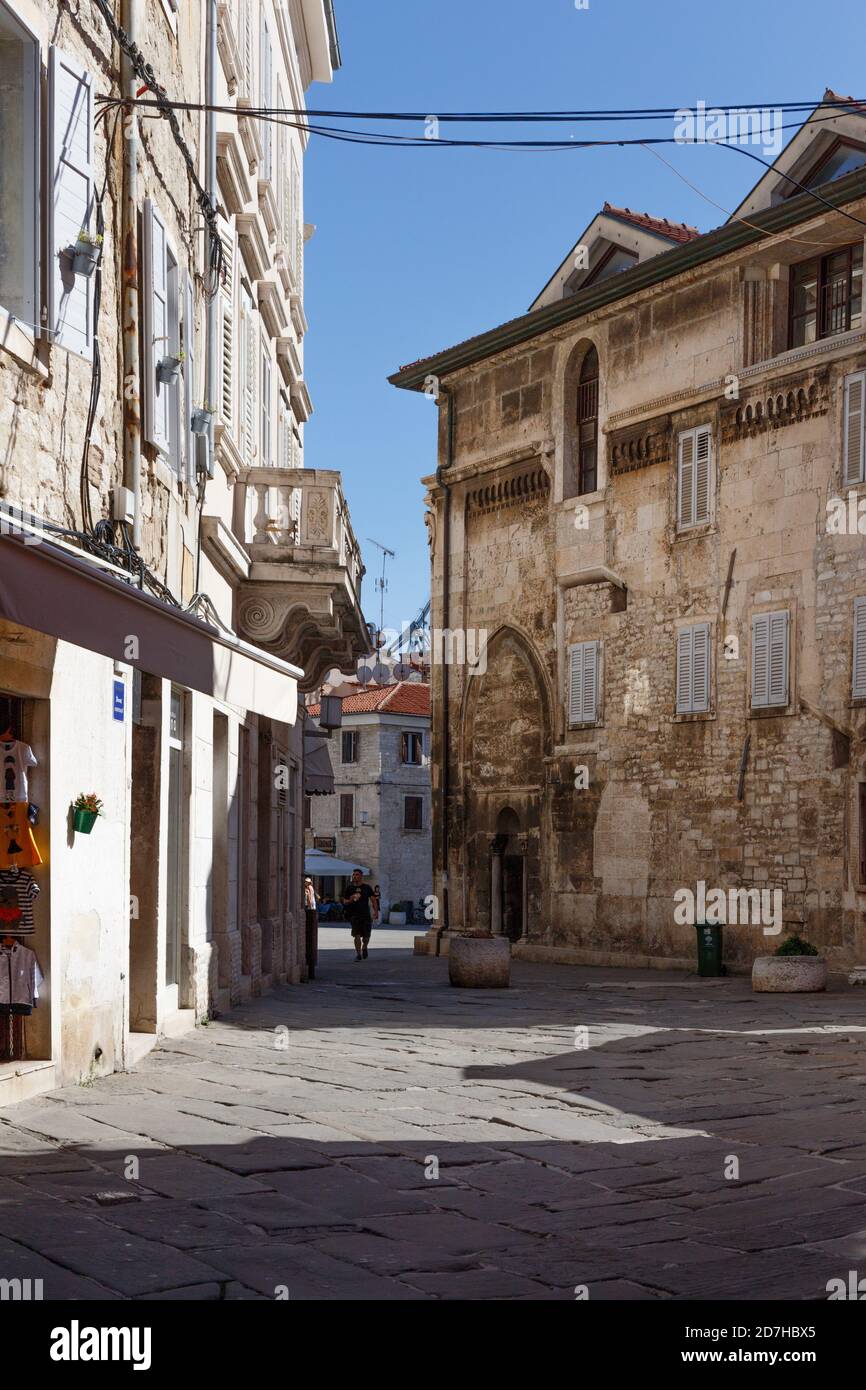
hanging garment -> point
(18, 891)
(17, 845)
(15, 758)
(13, 1047)
(20, 977)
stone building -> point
(171, 575)
(379, 815)
(645, 513)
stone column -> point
(498, 848)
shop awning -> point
(328, 866)
(318, 773)
(53, 589)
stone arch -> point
(505, 739)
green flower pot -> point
(84, 821)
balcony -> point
(300, 597)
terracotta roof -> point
(674, 231)
(406, 697)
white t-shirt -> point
(15, 758)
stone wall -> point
(661, 810)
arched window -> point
(587, 424)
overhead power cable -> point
(167, 108)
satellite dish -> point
(381, 674)
(365, 675)
(402, 672)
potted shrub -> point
(795, 968)
(85, 809)
(168, 367)
(397, 914)
(201, 418)
(85, 253)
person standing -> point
(361, 910)
(311, 912)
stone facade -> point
(187, 896)
(573, 836)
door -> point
(176, 854)
(512, 896)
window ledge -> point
(21, 345)
(586, 728)
(772, 711)
(694, 533)
(699, 717)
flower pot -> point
(85, 256)
(396, 919)
(789, 974)
(84, 821)
(168, 370)
(200, 420)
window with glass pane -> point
(826, 296)
(587, 424)
(19, 122)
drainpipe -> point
(211, 185)
(130, 279)
(446, 623)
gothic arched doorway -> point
(508, 877)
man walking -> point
(361, 910)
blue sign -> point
(119, 700)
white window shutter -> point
(703, 475)
(575, 684)
(684, 671)
(266, 459)
(761, 659)
(685, 479)
(858, 680)
(71, 190)
(265, 72)
(189, 377)
(246, 40)
(155, 327)
(590, 682)
(227, 350)
(700, 694)
(778, 662)
(854, 435)
(249, 373)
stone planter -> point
(479, 962)
(789, 974)
(396, 919)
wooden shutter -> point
(761, 659)
(248, 374)
(854, 439)
(583, 683)
(693, 669)
(858, 664)
(71, 190)
(684, 671)
(297, 243)
(267, 445)
(265, 83)
(703, 475)
(778, 662)
(155, 327)
(189, 378)
(227, 349)
(685, 479)
(246, 45)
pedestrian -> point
(378, 896)
(311, 913)
(361, 911)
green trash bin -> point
(709, 949)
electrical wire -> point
(167, 108)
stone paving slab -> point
(417, 1142)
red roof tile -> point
(674, 231)
(406, 697)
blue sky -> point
(418, 249)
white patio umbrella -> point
(317, 862)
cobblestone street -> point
(407, 1140)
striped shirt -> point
(17, 888)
